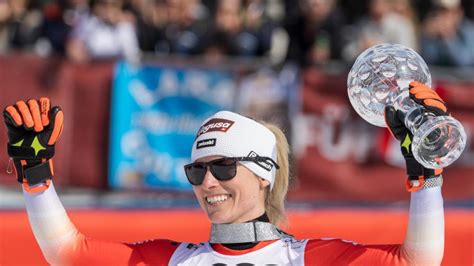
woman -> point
(106, 33)
(240, 177)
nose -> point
(209, 180)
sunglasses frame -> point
(208, 166)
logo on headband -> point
(264, 165)
(215, 124)
(205, 143)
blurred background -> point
(135, 79)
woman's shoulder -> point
(329, 241)
(156, 250)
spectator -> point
(448, 36)
(60, 16)
(382, 24)
(151, 17)
(188, 26)
(76, 11)
(227, 23)
(171, 26)
(315, 34)
(107, 33)
(20, 25)
(217, 47)
(244, 26)
(404, 8)
(258, 26)
(4, 17)
(407, 9)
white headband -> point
(232, 135)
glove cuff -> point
(39, 173)
(420, 177)
(35, 175)
(414, 168)
(414, 185)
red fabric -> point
(340, 252)
(227, 251)
(87, 251)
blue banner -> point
(156, 112)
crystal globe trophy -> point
(380, 76)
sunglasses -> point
(222, 169)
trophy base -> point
(438, 142)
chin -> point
(217, 218)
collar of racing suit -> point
(245, 235)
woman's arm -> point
(61, 242)
(424, 240)
(423, 245)
(33, 128)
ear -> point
(263, 183)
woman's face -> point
(234, 201)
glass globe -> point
(381, 74)
(379, 77)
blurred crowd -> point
(308, 32)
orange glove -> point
(431, 101)
(33, 129)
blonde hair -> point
(275, 198)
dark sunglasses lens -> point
(224, 169)
(195, 173)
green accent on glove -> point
(19, 143)
(406, 143)
(36, 145)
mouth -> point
(217, 199)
